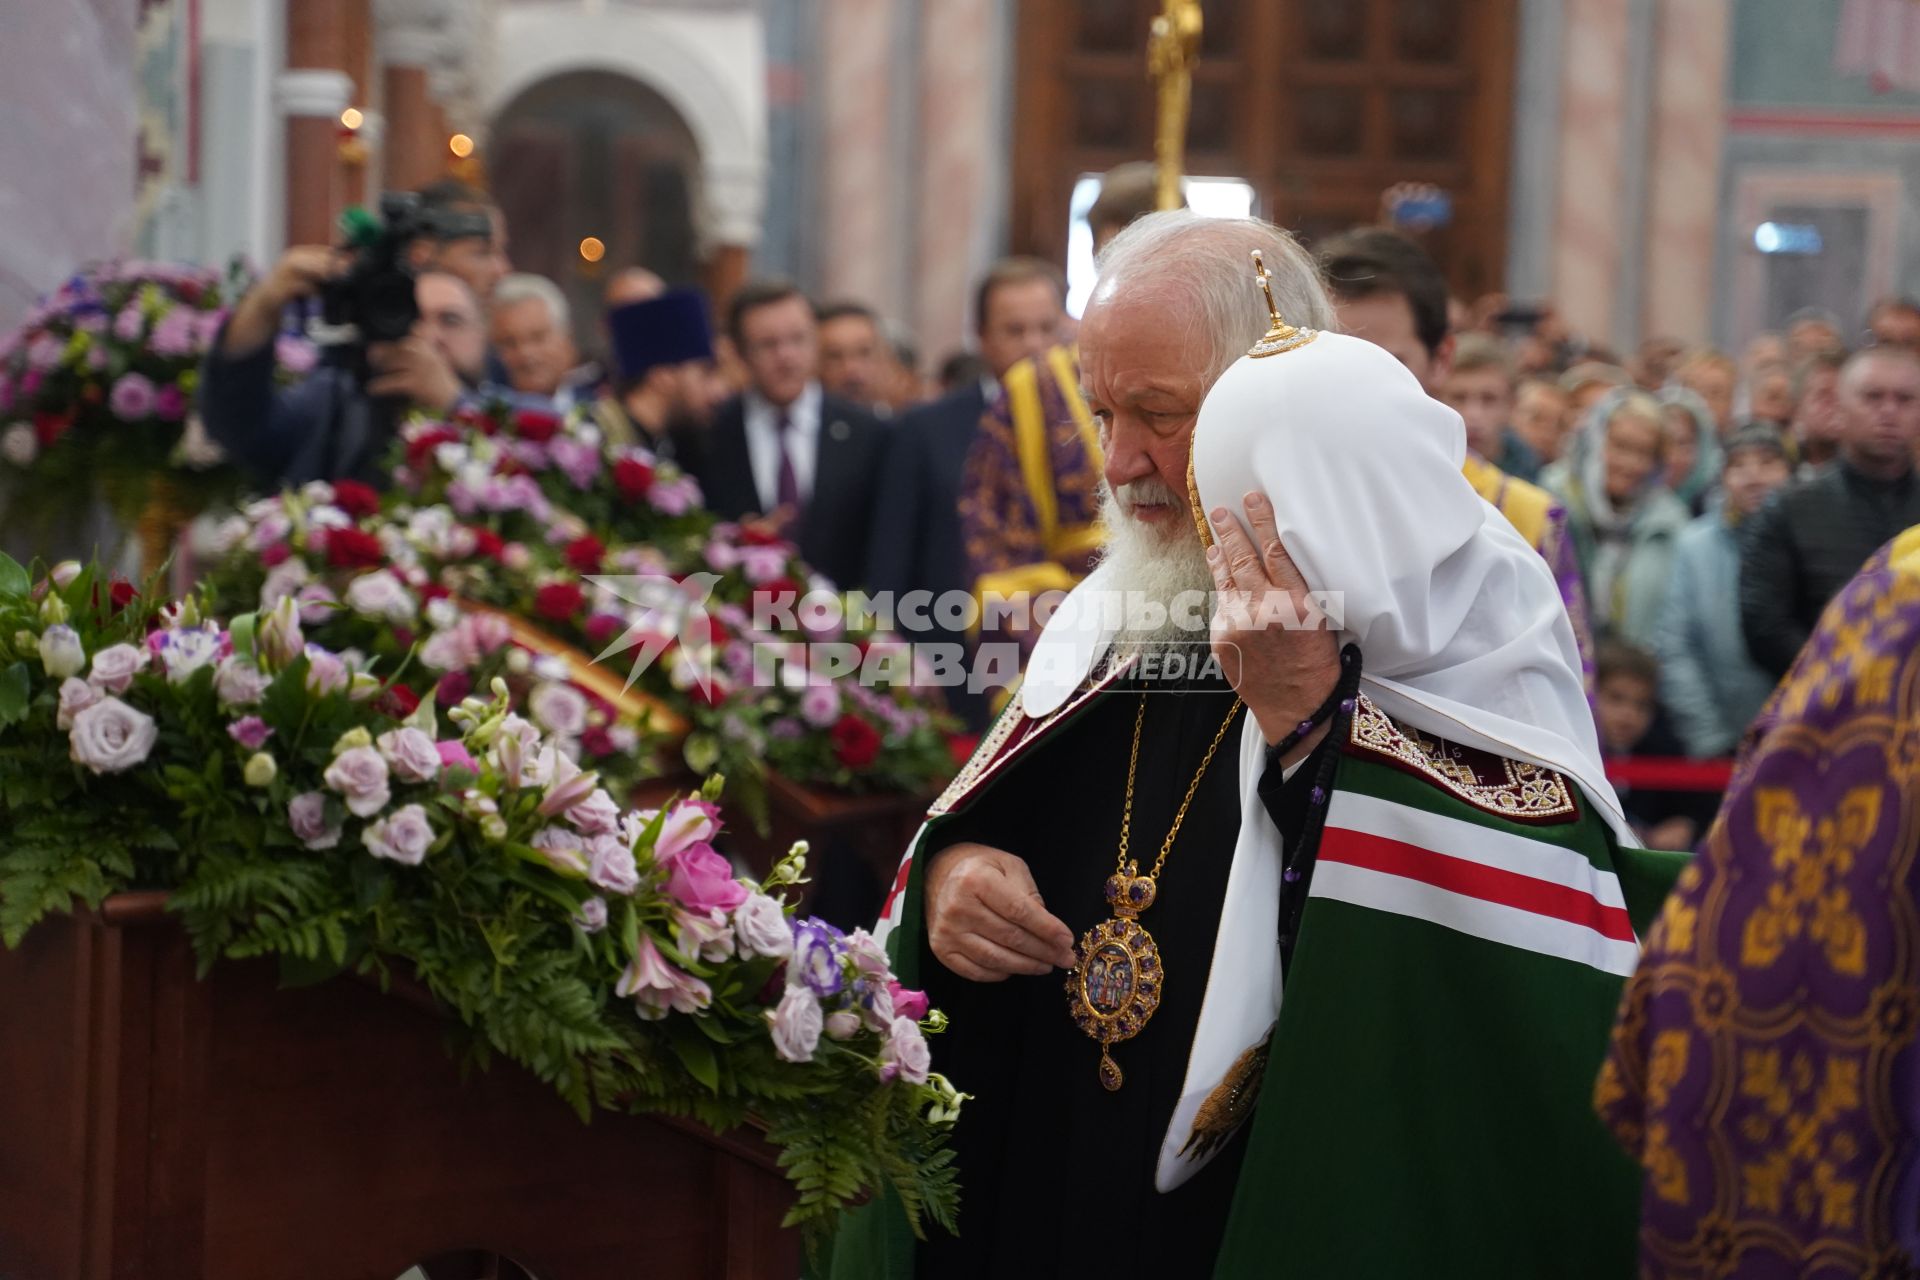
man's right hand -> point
(299, 273)
(985, 920)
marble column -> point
(1587, 233)
(860, 239)
(1684, 168)
(960, 69)
(312, 99)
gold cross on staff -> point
(1281, 336)
(1173, 50)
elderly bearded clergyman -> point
(1303, 967)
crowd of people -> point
(1699, 509)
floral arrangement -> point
(96, 387)
(731, 696)
(265, 784)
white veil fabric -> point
(1461, 628)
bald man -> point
(1809, 541)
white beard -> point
(1163, 563)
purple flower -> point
(816, 958)
(115, 666)
(296, 356)
(610, 865)
(820, 705)
(578, 461)
(132, 398)
(307, 815)
(360, 776)
(175, 335)
(760, 927)
(795, 1025)
(75, 696)
(111, 737)
(402, 836)
(250, 732)
(657, 987)
(43, 353)
(129, 324)
(592, 915)
(675, 497)
(905, 1053)
(184, 650)
(787, 729)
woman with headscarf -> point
(1620, 512)
(1694, 456)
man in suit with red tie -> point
(784, 448)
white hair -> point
(524, 285)
(1180, 256)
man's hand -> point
(413, 370)
(1282, 672)
(985, 920)
(299, 274)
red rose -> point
(536, 425)
(49, 427)
(398, 702)
(487, 543)
(354, 549)
(596, 742)
(275, 555)
(707, 693)
(856, 744)
(602, 627)
(759, 535)
(122, 593)
(584, 552)
(454, 686)
(421, 447)
(632, 478)
(476, 420)
(356, 499)
(559, 601)
(433, 591)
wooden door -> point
(1319, 104)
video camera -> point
(373, 300)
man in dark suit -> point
(784, 447)
(917, 545)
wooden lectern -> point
(158, 1127)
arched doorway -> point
(596, 154)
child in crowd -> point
(1626, 711)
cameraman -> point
(327, 426)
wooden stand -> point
(158, 1127)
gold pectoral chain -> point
(1114, 989)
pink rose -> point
(76, 695)
(843, 1024)
(701, 880)
(454, 755)
(905, 1053)
(111, 737)
(908, 1004)
(592, 915)
(359, 775)
(250, 732)
(402, 836)
(115, 667)
(307, 815)
(795, 1025)
(413, 756)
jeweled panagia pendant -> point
(1115, 988)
